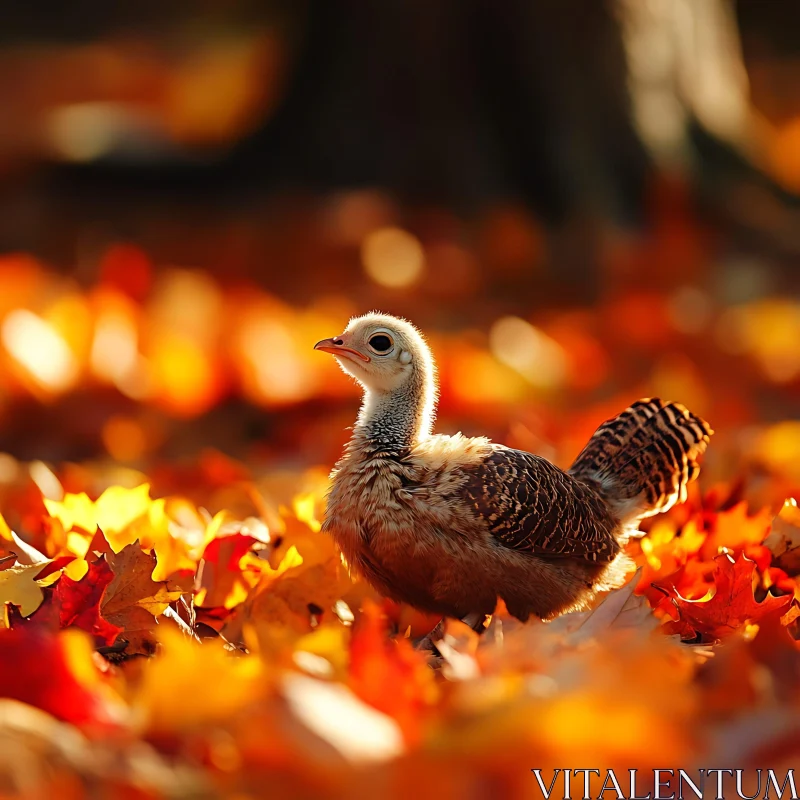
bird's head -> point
(383, 353)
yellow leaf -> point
(314, 547)
(303, 506)
(118, 507)
(18, 586)
(75, 510)
(291, 560)
(50, 579)
(178, 545)
(76, 569)
(114, 512)
(78, 543)
(329, 641)
(279, 610)
(219, 684)
(157, 602)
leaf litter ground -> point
(152, 649)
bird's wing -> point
(531, 505)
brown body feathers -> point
(450, 524)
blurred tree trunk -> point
(461, 101)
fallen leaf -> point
(226, 580)
(734, 530)
(114, 511)
(18, 586)
(219, 684)
(133, 600)
(289, 601)
(619, 609)
(389, 674)
(26, 553)
(729, 605)
(79, 602)
(53, 673)
(332, 711)
(666, 549)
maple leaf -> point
(691, 580)
(78, 601)
(288, 602)
(124, 516)
(133, 600)
(731, 604)
(114, 511)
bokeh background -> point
(580, 202)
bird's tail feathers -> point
(643, 459)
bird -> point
(451, 524)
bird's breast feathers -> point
(406, 502)
(400, 523)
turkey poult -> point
(449, 524)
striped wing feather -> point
(531, 505)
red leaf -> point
(78, 602)
(35, 669)
(54, 566)
(732, 603)
(221, 573)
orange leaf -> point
(735, 530)
(732, 603)
(133, 600)
(389, 674)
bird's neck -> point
(394, 421)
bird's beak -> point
(331, 346)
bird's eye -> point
(380, 343)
